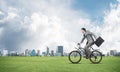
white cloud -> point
(45, 31)
(110, 29)
(12, 13)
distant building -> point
(29, 52)
(38, 53)
(108, 54)
(21, 54)
(113, 52)
(26, 52)
(60, 50)
(52, 53)
(47, 51)
(5, 53)
(13, 53)
(43, 53)
(33, 53)
(118, 54)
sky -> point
(28, 24)
(94, 8)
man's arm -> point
(93, 35)
(83, 39)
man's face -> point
(82, 31)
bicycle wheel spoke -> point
(95, 57)
(75, 57)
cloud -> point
(46, 31)
(43, 26)
(111, 29)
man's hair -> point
(83, 29)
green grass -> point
(57, 64)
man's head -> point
(83, 30)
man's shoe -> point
(87, 56)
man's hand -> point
(78, 44)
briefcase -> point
(99, 41)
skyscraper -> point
(113, 52)
(33, 53)
(38, 52)
(52, 53)
(26, 52)
(60, 50)
(47, 51)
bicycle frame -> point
(80, 49)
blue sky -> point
(94, 8)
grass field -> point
(57, 64)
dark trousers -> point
(87, 51)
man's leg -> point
(87, 51)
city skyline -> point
(59, 51)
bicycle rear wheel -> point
(95, 57)
(74, 57)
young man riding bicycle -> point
(90, 40)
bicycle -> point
(94, 56)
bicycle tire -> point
(93, 56)
(79, 57)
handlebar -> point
(78, 44)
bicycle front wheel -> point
(74, 57)
(95, 57)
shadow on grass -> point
(74, 63)
(96, 64)
(84, 63)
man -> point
(90, 40)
